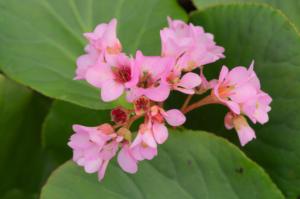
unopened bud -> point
(119, 115)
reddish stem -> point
(132, 119)
(186, 102)
(205, 101)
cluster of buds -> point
(146, 82)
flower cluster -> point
(146, 82)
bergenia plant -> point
(147, 82)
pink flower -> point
(141, 105)
(94, 147)
(157, 116)
(86, 61)
(152, 83)
(236, 87)
(127, 160)
(119, 115)
(258, 107)
(189, 44)
(113, 77)
(104, 38)
(239, 122)
(186, 84)
(144, 145)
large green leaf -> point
(289, 7)
(40, 39)
(258, 32)
(21, 158)
(57, 127)
(189, 165)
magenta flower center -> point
(147, 81)
(119, 116)
(122, 74)
(142, 104)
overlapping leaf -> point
(190, 165)
(290, 7)
(258, 32)
(40, 39)
(21, 158)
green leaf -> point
(21, 160)
(189, 165)
(258, 32)
(40, 40)
(290, 8)
(57, 127)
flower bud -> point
(119, 115)
(141, 105)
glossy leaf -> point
(21, 159)
(254, 32)
(41, 39)
(290, 8)
(189, 165)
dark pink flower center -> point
(122, 74)
(146, 81)
(141, 105)
(119, 115)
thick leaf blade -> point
(21, 158)
(290, 8)
(190, 165)
(258, 32)
(40, 40)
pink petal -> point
(149, 139)
(174, 117)
(158, 94)
(137, 141)
(223, 73)
(110, 35)
(243, 93)
(244, 131)
(233, 106)
(91, 166)
(102, 170)
(98, 74)
(148, 152)
(136, 152)
(190, 80)
(261, 116)
(127, 161)
(228, 121)
(238, 75)
(111, 90)
(84, 62)
(160, 132)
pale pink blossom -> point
(152, 83)
(190, 44)
(240, 124)
(113, 77)
(154, 132)
(236, 87)
(94, 147)
(144, 145)
(157, 117)
(104, 38)
(185, 84)
(127, 160)
(257, 108)
(86, 61)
